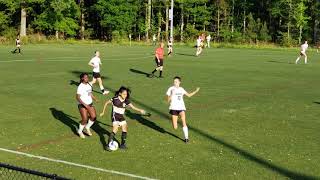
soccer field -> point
(255, 117)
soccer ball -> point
(113, 145)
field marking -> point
(75, 164)
(60, 59)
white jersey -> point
(96, 64)
(199, 41)
(176, 95)
(304, 47)
(208, 38)
(170, 44)
(85, 92)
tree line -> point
(286, 22)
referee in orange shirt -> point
(159, 60)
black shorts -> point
(117, 117)
(82, 106)
(176, 112)
(159, 63)
(96, 75)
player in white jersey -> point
(303, 52)
(85, 105)
(95, 62)
(199, 46)
(120, 102)
(177, 107)
(208, 40)
(170, 47)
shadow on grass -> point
(149, 124)
(280, 62)
(139, 72)
(73, 124)
(184, 54)
(237, 151)
(316, 102)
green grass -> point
(255, 117)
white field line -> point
(62, 59)
(75, 164)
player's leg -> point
(174, 118)
(94, 80)
(184, 126)
(84, 118)
(161, 69)
(101, 86)
(305, 58)
(19, 50)
(124, 134)
(92, 120)
(115, 126)
(297, 60)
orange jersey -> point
(160, 52)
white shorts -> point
(119, 123)
(18, 46)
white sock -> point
(297, 60)
(305, 60)
(185, 132)
(80, 128)
(90, 123)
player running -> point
(199, 46)
(159, 61)
(95, 62)
(18, 45)
(85, 105)
(304, 48)
(208, 40)
(170, 47)
(177, 107)
(119, 103)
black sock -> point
(111, 137)
(19, 50)
(102, 90)
(15, 50)
(123, 138)
(169, 53)
(160, 73)
(155, 70)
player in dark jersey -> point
(119, 103)
(159, 61)
(18, 45)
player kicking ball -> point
(95, 62)
(304, 48)
(119, 102)
(177, 107)
(85, 105)
(159, 61)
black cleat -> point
(107, 148)
(123, 147)
(186, 140)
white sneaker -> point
(105, 92)
(88, 132)
(82, 136)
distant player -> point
(154, 40)
(95, 62)
(177, 107)
(170, 47)
(303, 52)
(18, 45)
(199, 46)
(85, 105)
(208, 40)
(159, 60)
(120, 102)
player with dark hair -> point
(85, 105)
(177, 107)
(159, 60)
(119, 103)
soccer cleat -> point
(107, 148)
(186, 140)
(88, 132)
(123, 146)
(81, 135)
